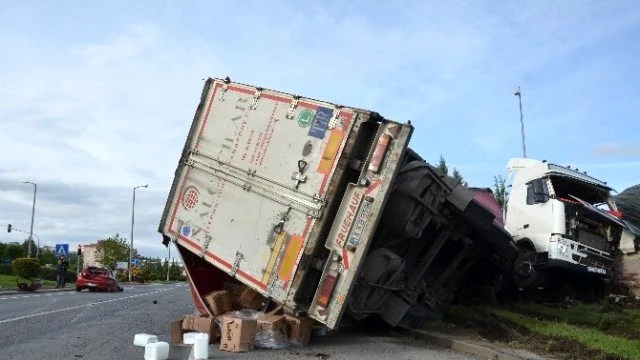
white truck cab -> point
(560, 218)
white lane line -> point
(14, 297)
(69, 308)
(4, 298)
(37, 295)
(48, 294)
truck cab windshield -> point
(566, 187)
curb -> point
(15, 292)
(475, 349)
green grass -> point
(8, 282)
(590, 337)
(604, 317)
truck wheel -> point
(525, 274)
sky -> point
(97, 97)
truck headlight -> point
(562, 248)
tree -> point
(456, 175)
(628, 202)
(443, 169)
(47, 257)
(442, 166)
(34, 247)
(14, 251)
(112, 250)
(500, 189)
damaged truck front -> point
(561, 219)
(324, 210)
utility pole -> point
(518, 93)
(33, 211)
(133, 211)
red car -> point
(97, 279)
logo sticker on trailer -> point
(320, 122)
(305, 118)
(190, 198)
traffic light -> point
(9, 228)
(79, 250)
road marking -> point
(37, 295)
(4, 298)
(71, 307)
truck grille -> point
(592, 240)
(593, 260)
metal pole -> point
(33, 211)
(133, 211)
(168, 258)
(519, 95)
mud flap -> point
(394, 310)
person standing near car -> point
(61, 272)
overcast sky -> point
(97, 96)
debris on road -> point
(144, 339)
(156, 351)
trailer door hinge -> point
(236, 263)
(335, 118)
(292, 106)
(256, 96)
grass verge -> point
(8, 282)
(611, 318)
(592, 338)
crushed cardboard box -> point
(218, 302)
(300, 329)
(238, 334)
(277, 323)
(251, 299)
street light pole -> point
(133, 211)
(519, 95)
(168, 259)
(33, 211)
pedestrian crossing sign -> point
(62, 250)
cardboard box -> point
(277, 323)
(250, 299)
(218, 302)
(201, 324)
(238, 335)
(300, 327)
(175, 332)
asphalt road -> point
(70, 325)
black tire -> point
(525, 274)
(78, 289)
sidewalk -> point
(476, 348)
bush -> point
(48, 273)
(27, 268)
(6, 270)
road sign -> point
(62, 250)
(135, 262)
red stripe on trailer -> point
(241, 89)
(372, 187)
(345, 259)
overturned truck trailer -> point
(324, 210)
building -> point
(90, 255)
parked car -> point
(97, 279)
